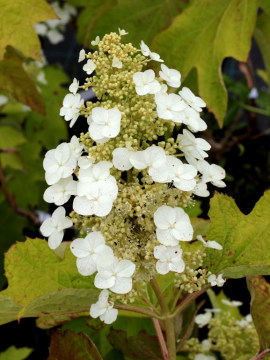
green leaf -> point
(142, 19)
(262, 37)
(143, 346)
(45, 285)
(265, 4)
(260, 308)
(263, 100)
(10, 138)
(41, 127)
(202, 36)
(17, 25)
(8, 309)
(21, 87)
(15, 354)
(245, 238)
(70, 345)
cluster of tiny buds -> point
(130, 176)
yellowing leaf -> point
(202, 36)
(245, 238)
(260, 308)
(17, 25)
(15, 354)
(15, 81)
(10, 138)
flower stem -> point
(168, 321)
(137, 310)
(161, 340)
(261, 355)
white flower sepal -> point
(96, 41)
(210, 243)
(97, 172)
(122, 32)
(117, 63)
(193, 147)
(145, 82)
(232, 303)
(84, 162)
(216, 280)
(246, 322)
(169, 259)
(89, 67)
(81, 55)
(61, 192)
(121, 159)
(75, 147)
(173, 225)
(147, 52)
(114, 274)
(194, 101)
(104, 124)
(170, 106)
(171, 76)
(59, 163)
(192, 119)
(73, 88)
(53, 228)
(204, 357)
(211, 173)
(104, 308)
(71, 108)
(87, 250)
(203, 319)
(182, 175)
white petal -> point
(109, 316)
(55, 239)
(122, 285)
(86, 266)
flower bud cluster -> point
(129, 185)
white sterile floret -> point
(87, 250)
(169, 259)
(95, 198)
(216, 280)
(182, 175)
(53, 228)
(96, 41)
(232, 303)
(246, 322)
(54, 36)
(192, 120)
(73, 88)
(173, 225)
(95, 173)
(116, 63)
(114, 274)
(71, 108)
(211, 173)
(75, 147)
(105, 124)
(203, 319)
(82, 55)
(209, 244)
(204, 357)
(61, 192)
(59, 163)
(122, 32)
(153, 157)
(201, 189)
(3, 100)
(171, 76)
(147, 52)
(193, 147)
(146, 82)
(194, 101)
(89, 67)
(84, 162)
(121, 159)
(206, 345)
(169, 106)
(104, 308)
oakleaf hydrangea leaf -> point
(245, 238)
(13, 353)
(17, 25)
(202, 42)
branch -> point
(261, 355)
(12, 201)
(9, 150)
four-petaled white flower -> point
(210, 243)
(96, 41)
(89, 67)
(246, 322)
(169, 259)
(193, 147)
(232, 303)
(82, 55)
(182, 175)
(121, 159)
(211, 173)
(61, 192)
(104, 124)
(54, 227)
(116, 63)
(104, 308)
(170, 106)
(59, 163)
(114, 274)
(87, 250)
(194, 101)
(73, 88)
(75, 147)
(173, 225)
(171, 76)
(216, 280)
(146, 82)
(95, 173)
(122, 32)
(192, 119)
(71, 108)
(147, 52)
